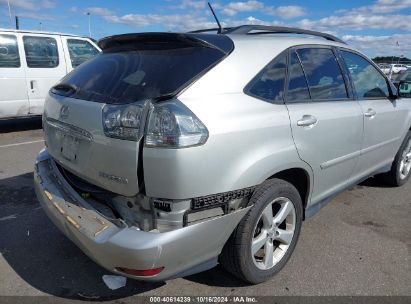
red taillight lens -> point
(141, 273)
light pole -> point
(89, 24)
(41, 26)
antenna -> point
(220, 28)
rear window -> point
(324, 76)
(129, 75)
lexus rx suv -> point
(169, 153)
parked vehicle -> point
(398, 68)
(385, 68)
(171, 152)
(31, 63)
(405, 80)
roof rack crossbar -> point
(264, 29)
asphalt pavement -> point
(359, 244)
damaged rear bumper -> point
(181, 252)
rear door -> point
(13, 97)
(383, 119)
(45, 66)
(326, 121)
(78, 50)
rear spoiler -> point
(155, 40)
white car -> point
(31, 63)
(397, 68)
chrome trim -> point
(69, 129)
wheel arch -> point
(300, 178)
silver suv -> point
(171, 152)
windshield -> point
(129, 75)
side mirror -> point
(393, 90)
(404, 89)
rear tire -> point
(401, 167)
(264, 240)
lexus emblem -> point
(64, 112)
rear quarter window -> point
(269, 84)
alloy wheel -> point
(405, 163)
(273, 233)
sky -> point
(372, 26)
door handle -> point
(370, 113)
(307, 121)
(32, 84)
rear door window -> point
(131, 74)
(41, 52)
(80, 51)
(368, 81)
(9, 52)
(297, 84)
(269, 83)
(323, 73)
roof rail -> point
(264, 29)
(215, 29)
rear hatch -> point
(133, 69)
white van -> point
(31, 63)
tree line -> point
(391, 59)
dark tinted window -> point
(368, 81)
(41, 52)
(406, 76)
(9, 52)
(269, 83)
(297, 85)
(80, 51)
(131, 75)
(323, 73)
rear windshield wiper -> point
(64, 89)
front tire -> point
(401, 167)
(266, 237)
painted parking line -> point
(22, 143)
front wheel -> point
(266, 237)
(401, 167)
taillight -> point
(123, 121)
(173, 125)
(140, 273)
